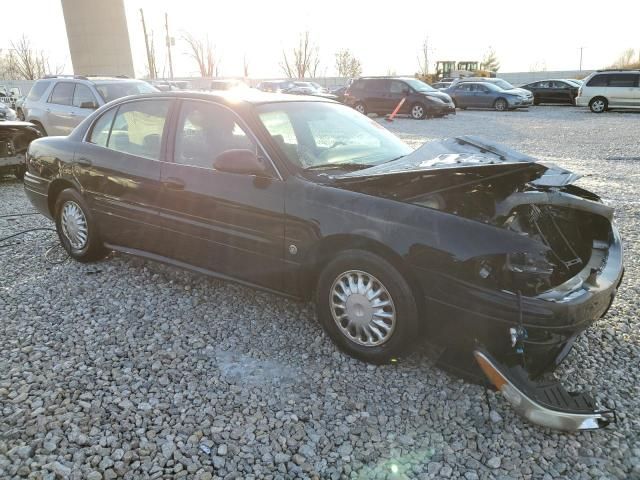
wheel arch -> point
(57, 186)
(327, 248)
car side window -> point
(599, 81)
(623, 80)
(206, 130)
(101, 128)
(137, 128)
(399, 87)
(62, 93)
(83, 95)
(38, 90)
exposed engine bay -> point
(471, 178)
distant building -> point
(98, 37)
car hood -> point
(440, 95)
(467, 155)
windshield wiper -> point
(392, 160)
(331, 166)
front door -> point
(229, 223)
(119, 169)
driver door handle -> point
(173, 183)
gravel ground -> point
(127, 368)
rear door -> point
(118, 166)
(59, 112)
(229, 223)
(463, 95)
(622, 90)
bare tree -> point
(23, 62)
(347, 64)
(203, 52)
(303, 61)
(423, 58)
(490, 61)
(626, 60)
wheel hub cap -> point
(362, 308)
(74, 225)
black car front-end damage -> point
(508, 310)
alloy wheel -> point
(74, 225)
(360, 108)
(501, 105)
(417, 112)
(598, 106)
(362, 308)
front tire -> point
(366, 306)
(418, 111)
(598, 105)
(501, 105)
(76, 227)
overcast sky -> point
(384, 35)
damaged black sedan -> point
(491, 255)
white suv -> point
(56, 105)
(607, 89)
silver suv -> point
(56, 105)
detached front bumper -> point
(545, 404)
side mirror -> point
(90, 105)
(241, 161)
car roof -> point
(246, 95)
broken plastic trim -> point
(576, 413)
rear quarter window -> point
(38, 90)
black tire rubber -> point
(593, 100)
(407, 320)
(94, 249)
(19, 173)
(40, 128)
(501, 101)
(424, 111)
(364, 107)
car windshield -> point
(503, 84)
(111, 91)
(419, 85)
(325, 135)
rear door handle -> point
(173, 183)
(83, 162)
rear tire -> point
(40, 128)
(19, 173)
(598, 105)
(77, 228)
(361, 107)
(377, 320)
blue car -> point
(488, 95)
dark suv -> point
(381, 95)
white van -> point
(607, 89)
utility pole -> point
(166, 26)
(581, 48)
(146, 43)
